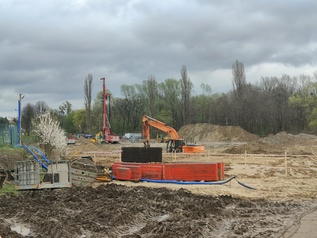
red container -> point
(134, 168)
(191, 172)
(221, 170)
(123, 174)
(152, 171)
(172, 171)
(114, 168)
(136, 171)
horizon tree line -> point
(272, 105)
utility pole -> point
(21, 96)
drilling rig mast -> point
(107, 136)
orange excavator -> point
(174, 144)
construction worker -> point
(99, 136)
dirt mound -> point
(281, 143)
(255, 148)
(203, 132)
(119, 211)
(83, 144)
(287, 138)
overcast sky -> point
(47, 48)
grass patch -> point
(7, 148)
(8, 189)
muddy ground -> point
(282, 168)
(119, 211)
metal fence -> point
(8, 134)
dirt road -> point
(305, 228)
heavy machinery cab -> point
(175, 146)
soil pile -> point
(281, 143)
(84, 147)
(289, 139)
(203, 132)
(119, 211)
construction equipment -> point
(30, 175)
(107, 136)
(98, 138)
(84, 171)
(162, 139)
(41, 173)
(71, 140)
(174, 144)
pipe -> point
(193, 182)
(244, 185)
(34, 156)
(41, 153)
(188, 182)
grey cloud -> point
(49, 47)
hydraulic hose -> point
(195, 183)
(188, 182)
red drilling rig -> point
(107, 136)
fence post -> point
(285, 163)
(245, 157)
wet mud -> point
(114, 210)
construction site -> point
(268, 189)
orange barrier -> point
(170, 171)
(193, 148)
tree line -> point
(269, 106)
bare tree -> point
(65, 108)
(186, 86)
(152, 91)
(41, 108)
(239, 86)
(239, 78)
(28, 114)
(88, 91)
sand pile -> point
(286, 138)
(281, 143)
(204, 132)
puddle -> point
(22, 229)
(162, 218)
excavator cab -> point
(175, 146)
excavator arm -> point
(147, 122)
(175, 144)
